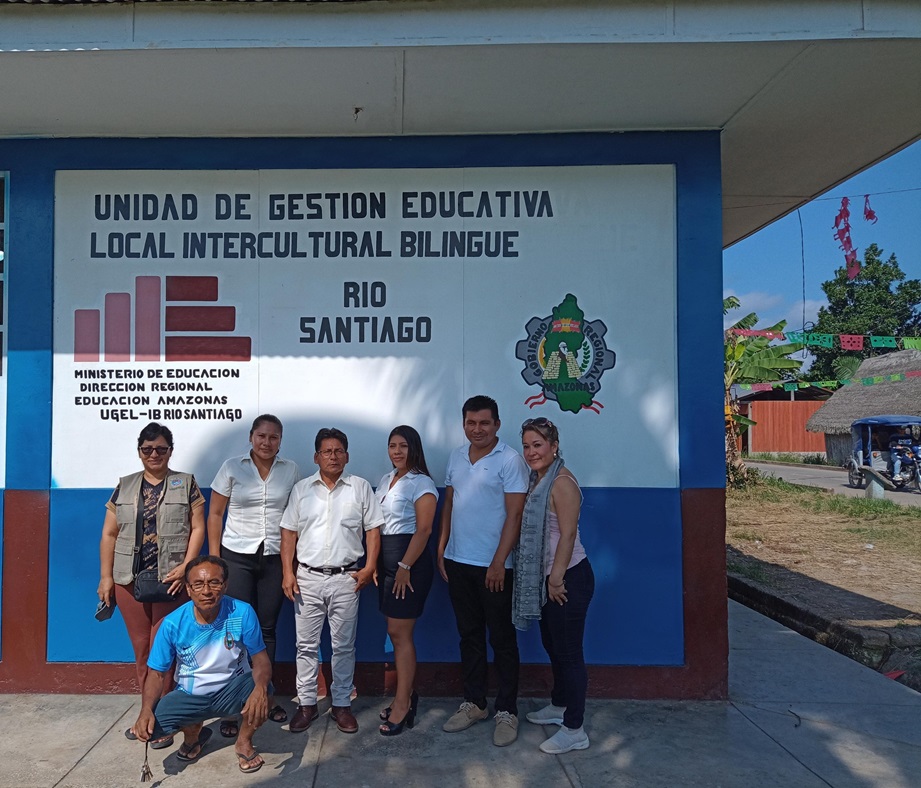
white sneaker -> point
(506, 729)
(468, 714)
(564, 740)
(549, 715)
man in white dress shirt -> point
(321, 544)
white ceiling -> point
(799, 111)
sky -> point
(765, 271)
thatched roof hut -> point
(857, 401)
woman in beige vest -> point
(168, 508)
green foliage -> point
(755, 359)
(789, 457)
(879, 300)
(749, 359)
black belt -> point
(329, 570)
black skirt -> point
(393, 548)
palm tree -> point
(750, 359)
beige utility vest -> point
(173, 524)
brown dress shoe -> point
(303, 717)
(344, 719)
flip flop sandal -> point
(249, 759)
(229, 728)
(183, 753)
(129, 735)
(278, 714)
(161, 744)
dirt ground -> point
(877, 556)
(852, 561)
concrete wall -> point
(657, 627)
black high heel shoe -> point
(389, 728)
(413, 705)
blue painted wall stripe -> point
(632, 537)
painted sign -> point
(364, 299)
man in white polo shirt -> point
(485, 487)
(320, 546)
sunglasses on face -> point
(160, 450)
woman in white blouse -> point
(253, 490)
(408, 499)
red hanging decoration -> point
(868, 213)
(843, 236)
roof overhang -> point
(806, 94)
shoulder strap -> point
(566, 476)
(139, 539)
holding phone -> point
(104, 611)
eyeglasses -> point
(160, 450)
(540, 421)
(332, 452)
(199, 585)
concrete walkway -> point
(801, 716)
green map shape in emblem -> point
(561, 348)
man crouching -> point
(212, 639)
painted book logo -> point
(170, 326)
(566, 356)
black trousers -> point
(562, 628)
(478, 609)
(255, 578)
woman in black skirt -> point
(408, 499)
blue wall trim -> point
(633, 538)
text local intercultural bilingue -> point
(407, 242)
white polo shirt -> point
(256, 506)
(478, 511)
(329, 523)
(398, 503)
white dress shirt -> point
(329, 523)
(256, 506)
(398, 503)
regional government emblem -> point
(565, 355)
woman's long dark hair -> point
(415, 457)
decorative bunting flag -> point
(851, 341)
(868, 213)
(882, 342)
(754, 332)
(830, 384)
(822, 340)
(845, 341)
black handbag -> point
(147, 585)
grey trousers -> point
(325, 597)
